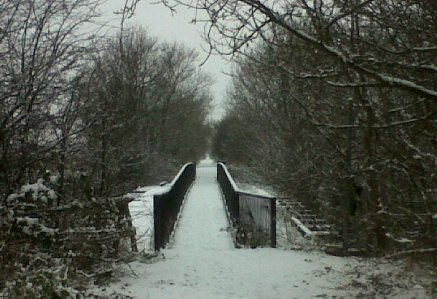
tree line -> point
(334, 103)
(105, 113)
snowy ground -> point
(141, 211)
(201, 262)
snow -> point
(245, 188)
(399, 240)
(34, 188)
(37, 190)
(141, 211)
(28, 220)
(168, 187)
(52, 194)
(54, 179)
(32, 227)
(231, 180)
(253, 190)
(201, 262)
(303, 228)
(408, 84)
(151, 190)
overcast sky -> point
(160, 23)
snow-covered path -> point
(201, 262)
(203, 223)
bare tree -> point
(42, 44)
(362, 76)
(150, 95)
(389, 38)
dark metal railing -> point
(253, 216)
(230, 194)
(166, 205)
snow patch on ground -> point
(233, 273)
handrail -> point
(167, 187)
(167, 203)
(247, 211)
(230, 178)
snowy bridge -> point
(252, 217)
(201, 261)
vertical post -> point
(237, 206)
(273, 222)
(156, 223)
(235, 202)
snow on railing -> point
(166, 188)
(230, 178)
(302, 228)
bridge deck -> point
(203, 225)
